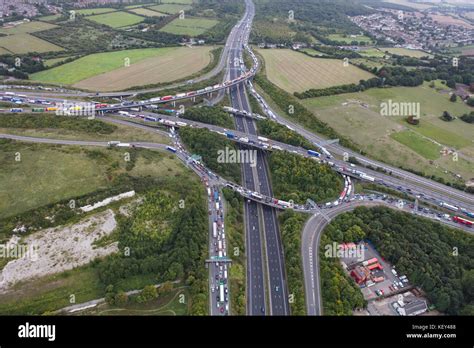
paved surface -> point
(265, 259)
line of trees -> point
(210, 115)
(298, 178)
(234, 222)
(47, 121)
(281, 133)
(291, 225)
(206, 144)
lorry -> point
(214, 229)
(449, 206)
(221, 293)
(463, 221)
(366, 177)
(370, 261)
(314, 153)
(172, 149)
(229, 135)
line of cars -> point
(220, 285)
(459, 219)
(22, 99)
(153, 119)
(243, 112)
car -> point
(262, 309)
(277, 288)
(212, 289)
(221, 309)
(217, 277)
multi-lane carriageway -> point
(266, 285)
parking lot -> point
(391, 283)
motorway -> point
(255, 289)
(265, 260)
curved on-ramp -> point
(310, 250)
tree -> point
(166, 286)
(453, 98)
(470, 101)
(469, 118)
(121, 299)
(468, 283)
(148, 293)
(447, 116)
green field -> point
(405, 52)
(385, 138)
(276, 30)
(95, 64)
(372, 52)
(47, 173)
(147, 13)
(417, 143)
(347, 39)
(52, 292)
(122, 133)
(94, 11)
(170, 8)
(24, 43)
(29, 27)
(117, 19)
(52, 61)
(296, 72)
(189, 26)
(371, 62)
